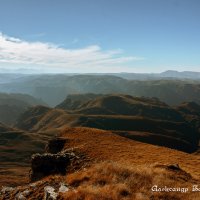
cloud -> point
(15, 51)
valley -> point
(93, 131)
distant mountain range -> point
(53, 88)
(170, 74)
(129, 75)
(136, 76)
(184, 74)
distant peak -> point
(170, 71)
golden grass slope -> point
(119, 168)
(111, 181)
(104, 145)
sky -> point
(99, 36)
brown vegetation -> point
(118, 168)
(105, 145)
(111, 181)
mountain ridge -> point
(53, 89)
(117, 113)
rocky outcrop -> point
(49, 193)
(47, 190)
(56, 160)
(55, 145)
(47, 164)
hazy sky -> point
(100, 35)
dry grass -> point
(124, 169)
(104, 145)
(111, 181)
(12, 174)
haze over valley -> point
(53, 89)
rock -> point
(48, 164)
(5, 190)
(35, 184)
(49, 193)
(63, 188)
(174, 167)
(20, 196)
(55, 145)
(26, 192)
